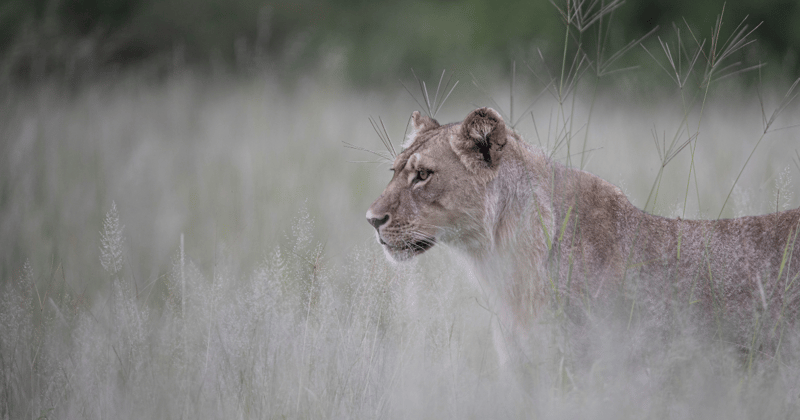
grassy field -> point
(196, 248)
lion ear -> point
(483, 135)
(422, 123)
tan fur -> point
(533, 228)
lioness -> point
(533, 228)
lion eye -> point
(423, 174)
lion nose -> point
(375, 221)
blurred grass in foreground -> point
(250, 285)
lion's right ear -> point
(482, 138)
(422, 123)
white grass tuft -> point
(111, 241)
(783, 191)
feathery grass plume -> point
(678, 72)
(432, 106)
(665, 155)
(304, 262)
(111, 241)
(716, 67)
(737, 40)
(182, 280)
(783, 190)
(302, 231)
(605, 65)
(582, 15)
(17, 335)
(128, 334)
(787, 99)
(15, 311)
(682, 63)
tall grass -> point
(195, 248)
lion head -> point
(439, 187)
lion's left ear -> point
(421, 123)
(482, 137)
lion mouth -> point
(417, 247)
(422, 245)
(407, 249)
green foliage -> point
(369, 42)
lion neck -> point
(510, 256)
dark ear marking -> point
(486, 129)
(422, 122)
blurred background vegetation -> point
(367, 43)
(215, 131)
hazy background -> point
(370, 43)
(182, 229)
